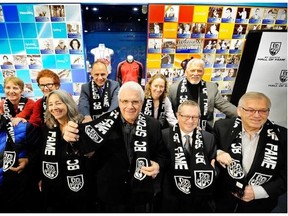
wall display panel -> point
(42, 36)
(217, 34)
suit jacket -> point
(84, 103)
(276, 186)
(171, 201)
(215, 100)
(113, 170)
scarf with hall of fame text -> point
(10, 154)
(99, 130)
(148, 109)
(182, 94)
(193, 174)
(43, 108)
(72, 173)
(263, 173)
(99, 104)
(9, 108)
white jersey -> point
(103, 54)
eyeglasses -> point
(48, 85)
(252, 111)
(134, 102)
(187, 117)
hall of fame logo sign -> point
(274, 49)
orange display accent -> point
(170, 30)
(178, 58)
(153, 60)
(186, 13)
(156, 13)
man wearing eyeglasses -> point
(128, 151)
(252, 153)
(206, 94)
(98, 95)
(188, 184)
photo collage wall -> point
(214, 33)
(42, 36)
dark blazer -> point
(276, 186)
(171, 202)
(84, 103)
(113, 170)
(215, 100)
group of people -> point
(123, 149)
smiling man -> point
(206, 94)
(252, 152)
(98, 95)
(128, 151)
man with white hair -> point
(206, 94)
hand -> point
(213, 163)
(87, 119)
(15, 121)
(248, 194)
(223, 158)
(152, 170)
(40, 185)
(70, 132)
(22, 163)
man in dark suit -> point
(207, 95)
(188, 183)
(98, 95)
(128, 151)
(252, 152)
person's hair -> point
(131, 85)
(72, 109)
(254, 95)
(148, 86)
(191, 103)
(99, 61)
(196, 61)
(78, 42)
(230, 9)
(5, 56)
(15, 80)
(48, 73)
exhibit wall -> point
(34, 37)
(51, 36)
(217, 34)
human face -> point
(252, 122)
(228, 13)
(75, 45)
(46, 84)
(46, 45)
(13, 92)
(194, 73)
(130, 105)
(185, 124)
(187, 27)
(99, 74)
(57, 108)
(157, 88)
(231, 72)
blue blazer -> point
(84, 104)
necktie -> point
(187, 144)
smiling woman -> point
(15, 105)
(61, 161)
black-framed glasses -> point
(48, 85)
(133, 102)
(253, 111)
(187, 117)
